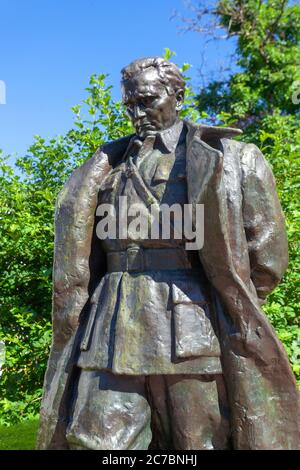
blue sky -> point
(49, 48)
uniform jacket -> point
(244, 257)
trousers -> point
(119, 412)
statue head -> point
(153, 93)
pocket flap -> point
(189, 292)
(194, 333)
(161, 175)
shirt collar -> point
(170, 137)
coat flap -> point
(186, 293)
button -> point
(129, 172)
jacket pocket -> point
(193, 330)
(169, 171)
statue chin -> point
(147, 133)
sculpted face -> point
(148, 103)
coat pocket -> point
(169, 171)
(194, 333)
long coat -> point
(244, 257)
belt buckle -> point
(134, 259)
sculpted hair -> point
(169, 74)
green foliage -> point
(268, 55)
(21, 436)
(280, 143)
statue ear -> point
(179, 99)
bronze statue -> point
(154, 345)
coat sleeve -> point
(263, 222)
(76, 250)
(78, 264)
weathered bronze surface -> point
(155, 346)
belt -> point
(151, 259)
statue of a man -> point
(156, 345)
